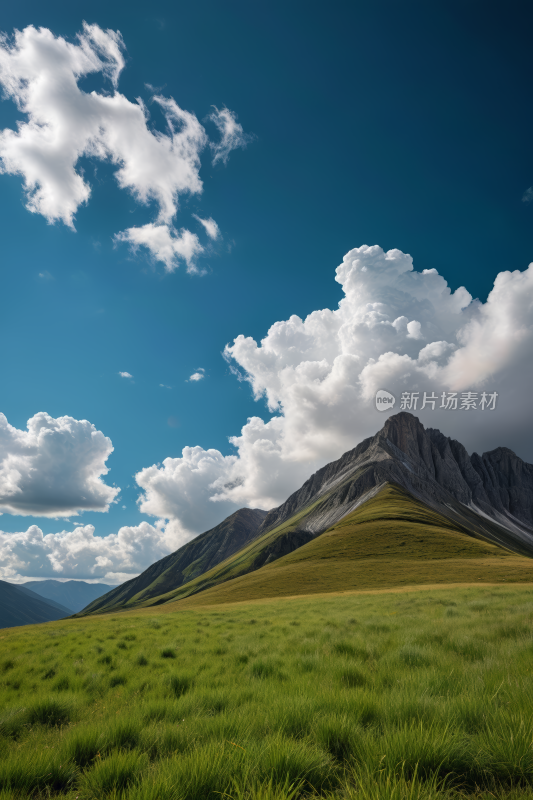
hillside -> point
(486, 498)
(392, 540)
(20, 606)
(194, 558)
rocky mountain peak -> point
(433, 467)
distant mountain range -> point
(20, 606)
(73, 594)
(45, 601)
(462, 517)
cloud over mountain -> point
(54, 468)
(395, 328)
(40, 72)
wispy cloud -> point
(231, 132)
(211, 228)
(527, 197)
(125, 375)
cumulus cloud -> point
(395, 328)
(125, 375)
(232, 135)
(194, 473)
(198, 375)
(83, 555)
(40, 72)
(54, 468)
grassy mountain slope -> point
(403, 453)
(395, 509)
(271, 545)
(392, 540)
(19, 607)
(182, 566)
(264, 567)
(476, 493)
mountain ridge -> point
(75, 595)
(202, 553)
(392, 540)
(432, 468)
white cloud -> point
(318, 377)
(414, 330)
(396, 329)
(188, 506)
(83, 555)
(198, 375)
(125, 375)
(54, 468)
(40, 72)
(164, 244)
(232, 135)
(211, 228)
(527, 197)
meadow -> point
(423, 694)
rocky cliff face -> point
(496, 487)
(507, 483)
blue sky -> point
(406, 126)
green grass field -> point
(399, 695)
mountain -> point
(194, 558)
(36, 596)
(21, 606)
(495, 488)
(390, 541)
(73, 594)
(488, 498)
